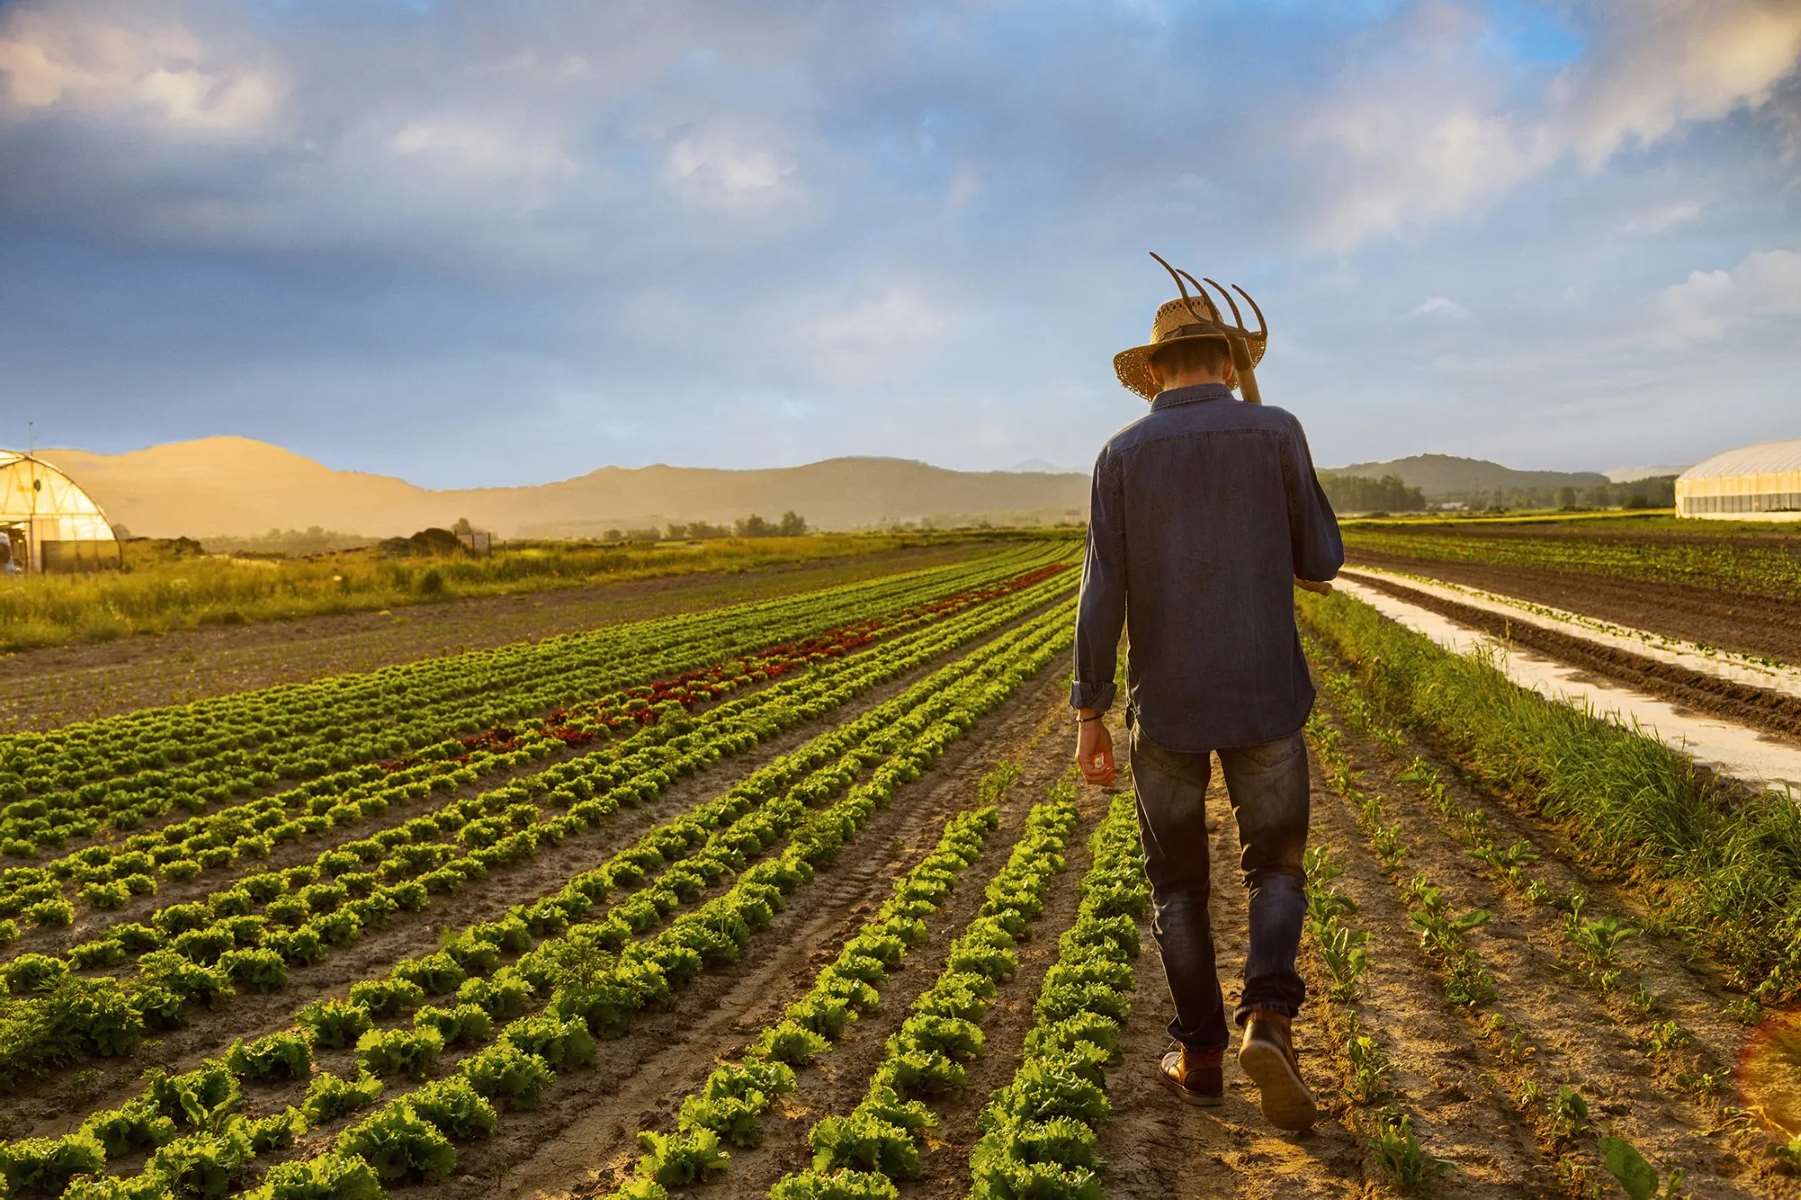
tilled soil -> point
(52, 1103)
(1558, 1019)
(1156, 1146)
(1761, 709)
(40, 689)
(582, 1138)
(1712, 617)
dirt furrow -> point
(588, 1120)
(1154, 1146)
(1556, 1032)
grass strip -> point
(1726, 865)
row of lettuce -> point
(298, 914)
(120, 772)
(578, 983)
(63, 1016)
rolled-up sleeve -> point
(1312, 526)
(1101, 611)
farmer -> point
(1202, 512)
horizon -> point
(1022, 468)
(465, 246)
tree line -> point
(791, 524)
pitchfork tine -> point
(1237, 317)
(1183, 288)
(1212, 308)
(1262, 326)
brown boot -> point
(1267, 1056)
(1194, 1075)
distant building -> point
(1752, 483)
(47, 523)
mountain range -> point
(240, 487)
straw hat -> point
(1175, 322)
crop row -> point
(594, 970)
(728, 1109)
(864, 1152)
(125, 770)
(1771, 571)
(1567, 1131)
(204, 959)
(1041, 1131)
(1631, 804)
(1590, 941)
(419, 845)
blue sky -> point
(504, 243)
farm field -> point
(58, 684)
(1720, 584)
(791, 894)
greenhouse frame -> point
(1752, 483)
(47, 522)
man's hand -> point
(1313, 585)
(1094, 751)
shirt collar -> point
(1170, 397)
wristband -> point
(1084, 720)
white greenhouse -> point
(47, 523)
(1752, 483)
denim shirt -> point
(1203, 512)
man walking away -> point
(1204, 512)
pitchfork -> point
(1238, 337)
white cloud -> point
(1663, 218)
(729, 170)
(67, 60)
(1662, 64)
(479, 147)
(1708, 305)
(1440, 307)
(1424, 125)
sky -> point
(495, 243)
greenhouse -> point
(47, 523)
(1753, 483)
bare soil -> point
(1710, 616)
(582, 1138)
(40, 689)
(1770, 712)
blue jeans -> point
(1269, 788)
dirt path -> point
(582, 1135)
(44, 688)
(1758, 708)
(1154, 1146)
(1751, 624)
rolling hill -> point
(1445, 476)
(240, 487)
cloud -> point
(720, 168)
(1441, 307)
(1421, 124)
(1663, 64)
(161, 73)
(1709, 305)
(1663, 218)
